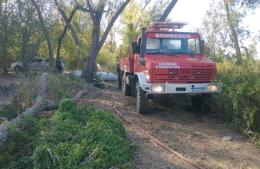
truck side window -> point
(152, 45)
(193, 46)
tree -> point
(223, 31)
(4, 35)
(231, 23)
(45, 31)
(67, 26)
(1, 3)
(96, 11)
(214, 30)
(133, 19)
(167, 10)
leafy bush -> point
(74, 138)
(17, 151)
(240, 100)
(82, 138)
(12, 110)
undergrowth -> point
(74, 138)
(59, 87)
(239, 103)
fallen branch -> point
(41, 105)
(38, 107)
(3, 119)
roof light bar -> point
(175, 25)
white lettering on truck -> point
(167, 65)
(174, 36)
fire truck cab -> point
(164, 61)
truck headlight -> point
(147, 75)
(158, 88)
(213, 88)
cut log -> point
(41, 105)
(38, 107)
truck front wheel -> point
(126, 89)
(141, 100)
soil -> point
(199, 138)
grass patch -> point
(74, 138)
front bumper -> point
(187, 88)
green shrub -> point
(17, 151)
(240, 101)
(82, 138)
(74, 138)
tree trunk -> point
(91, 60)
(60, 41)
(167, 11)
(66, 27)
(233, 32)
(5, 38)
(45, 32)
(1, 2)
(67, 21)
(35, 109)
(97, 43)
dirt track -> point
(198, 138)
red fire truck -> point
(164, 61)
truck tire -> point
(119, 82)
(119, 77)
(126, 89)
(141, 100)
(18, 70)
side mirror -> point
(202, 46)
(135, 47)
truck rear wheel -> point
(119, 82)
(126, 89)
(141, 100)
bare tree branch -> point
(112, 22)
(168, 10)
(139, 19)
(45, 31)
(68, 22)
(91, 10)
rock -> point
(227, 138)
(113, 168)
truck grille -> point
(184, 75)
(205, 74)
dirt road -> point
(201, 139)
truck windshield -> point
(172, 46)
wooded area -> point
(38, 28)
(91, 35)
